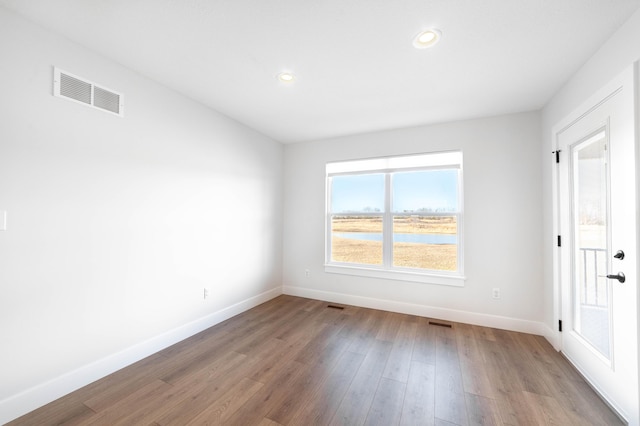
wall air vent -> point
(77, 89)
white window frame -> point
(387, 166)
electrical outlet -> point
(206, 293)
(307, 273)
(496, 293)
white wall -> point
(617, 53)
(116, 225)
(503, 243)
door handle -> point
(619, 255)
(619, 276)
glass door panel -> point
(591, 288)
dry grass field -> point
(441, 257)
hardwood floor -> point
(294, 361)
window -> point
(396, 217)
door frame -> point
(630, 76)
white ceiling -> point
(356, 69)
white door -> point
(597, 225)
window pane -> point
(361, 193)
(425, 242)
(592, 306)
(426, 191)
(356, 239)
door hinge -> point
(557, 153)
(560, 326)
(559, 241)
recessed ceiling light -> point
(286, 77)
(427, 38)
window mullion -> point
(387, 225)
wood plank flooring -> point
(295, 361)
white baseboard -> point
(486, 320)
(37, 396)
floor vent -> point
(335, 307)
(77, 89)
(439, 324)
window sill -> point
(424, 278)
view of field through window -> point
(425, 242)
(418, 241)
(423, 219)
